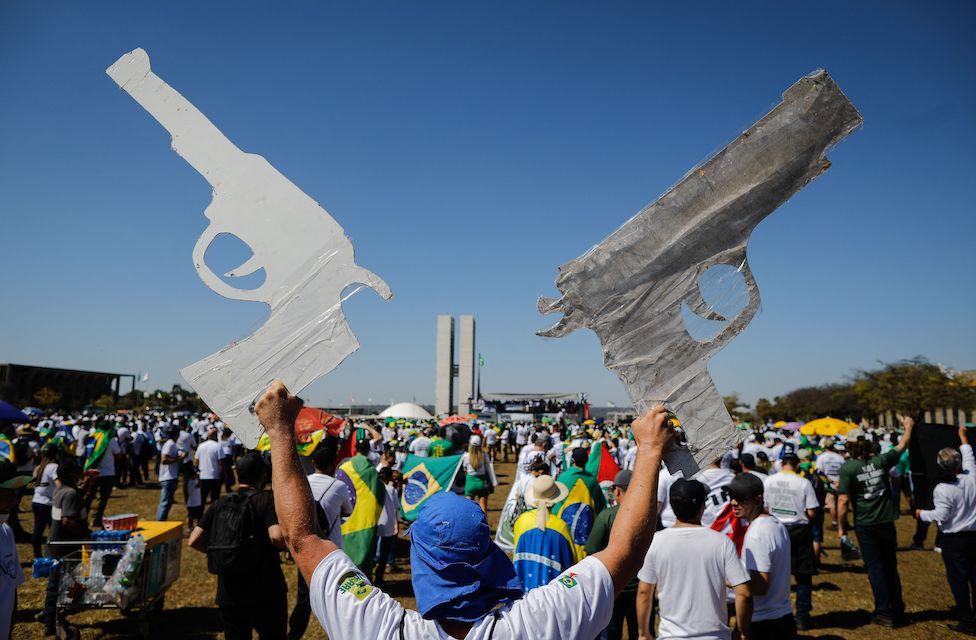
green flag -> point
(423, 477)
(367, 493)
(103, 436)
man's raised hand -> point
(653, 429)
(277, 409)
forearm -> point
(292, 495)
(842, 508)
(635, 524)
(645, 603)
(743, 613)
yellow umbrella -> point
(779, 424)
(827, 427)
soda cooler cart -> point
(126, 574)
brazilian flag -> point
(581, 506)
(423, 477)
(6, 449)
(304, 449)
(367, 493)
(102, 437)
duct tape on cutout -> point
(634, 288)
(307, 259)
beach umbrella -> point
(793, 426)
(10, 413)
(779, 424)
(33, 411)
(827, 427)
(453, 420)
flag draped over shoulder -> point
(601, 464)
(542, 554)
(367, 493)
(101, 438)
(422, 478)
(581, 506)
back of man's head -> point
(323, 458)
(362, 447)
(250, 469)
(747, 460)
(792, 461)
(580, 457)
(687, 498)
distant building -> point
(19, 383)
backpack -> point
(233, 542)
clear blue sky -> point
(468, 149)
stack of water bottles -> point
(124, 581)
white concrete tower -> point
(466, 363)
(444, 371)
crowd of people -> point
(589, 505)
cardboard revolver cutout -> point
(630, 289)
(307, 259)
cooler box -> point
(161, 566)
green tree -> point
(105, 402)
(764, 409)
(912, 386)
(47, 397)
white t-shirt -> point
(186, 442)
(664, 482)
(80, 434)
(767, 550)
(170, 471)
(193, 498)
(11, 577)
(419, 446)
(44, 492)
(208, 457)
(333, 496)
(691, 567)
(577, 604)
(829, 463)
(716, 480)
(788, 496)
(386, 525)
(106, 466)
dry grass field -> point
(842, 596)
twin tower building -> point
(444, 399)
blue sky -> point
(468, 149)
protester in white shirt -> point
(664, 482)
(387, 526)
(105, 482)
(689, 567)
(419, 446)
(45, 476)
(829, 463)
(465, 586)
(716, 479)
(208, 456)
(792, 500)
(955, 512)
(766, 552)
(169, 472)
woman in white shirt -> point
(479, 482)
(45, 473)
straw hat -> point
(545, 492)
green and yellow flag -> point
(304, 449)
(423, 477)
(581, 506)
(367, 493)
(6, 449)
(102, 435)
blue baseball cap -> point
(458, 572)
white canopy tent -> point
(406, 410)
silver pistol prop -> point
(630, 289)
(307, 259)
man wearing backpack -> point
(240, 535)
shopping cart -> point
(84, 572)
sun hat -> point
(545, 492)
(458, 573)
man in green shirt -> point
(864, 483)
(625, 605)
(441, 446)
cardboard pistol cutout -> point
(307, 259)
(631, 288)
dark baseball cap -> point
(622, 479)
(745, 486)
(748, 460)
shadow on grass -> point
(188, 622)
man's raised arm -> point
(634, 527)
(277, 411)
